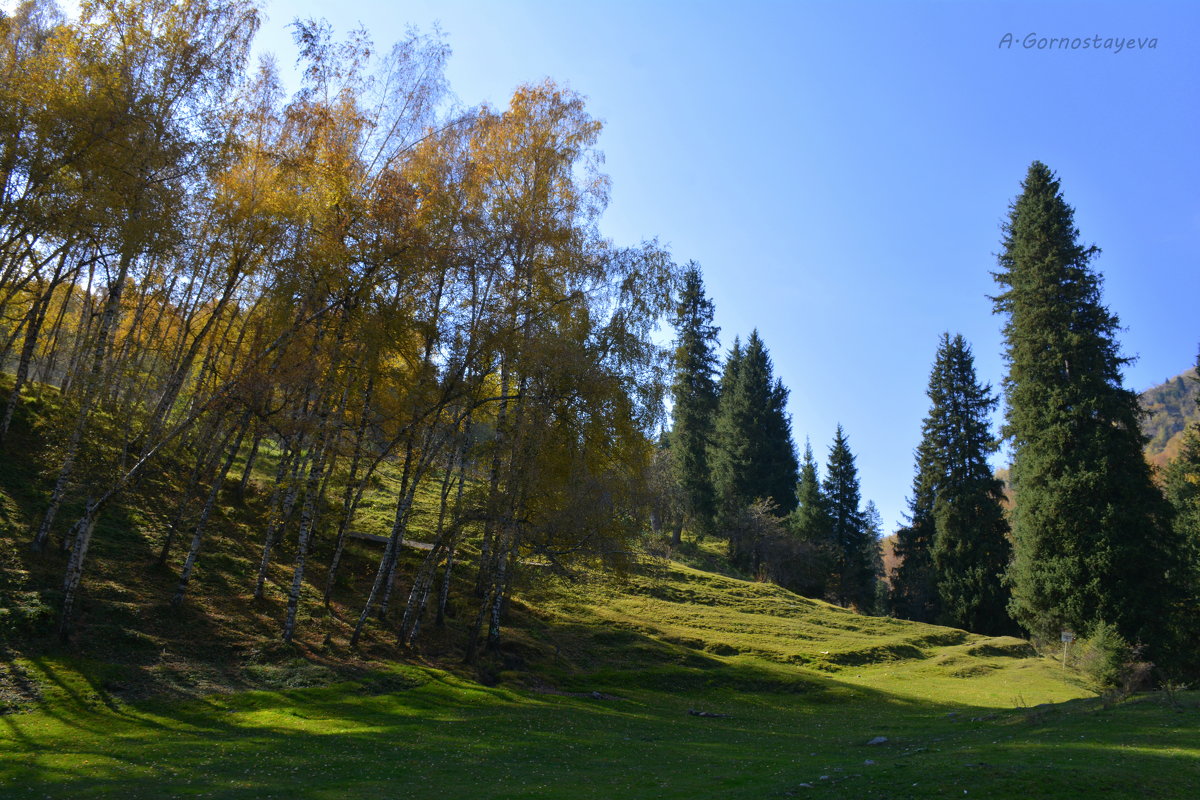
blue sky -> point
(841, 170)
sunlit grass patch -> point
(426, 733)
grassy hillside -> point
(679, 679)
(679, 683)
(221, 639)
(693, 621)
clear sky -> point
(840, 170)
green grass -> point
(595, 688)
(690, 619)
(587, 698)
(419, 732)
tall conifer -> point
(970, 548)
(1183, 478)
(694, 392)
(756, 457)
(1182, 482)
(914, 585)
(954, 548)
(728, 457)
(810, 521)
(873, 541)
(1093, 536)
(811, 528)
(853, 575)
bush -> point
(1111, 662)
(761, 544)
(23, 613)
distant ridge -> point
(1170, 408)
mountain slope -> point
(1170, 408)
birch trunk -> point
(189, 563)
(419, 594)
(95, 370)
(37, 315)
(353, 494)
(498, 593)
(183, 368)
(82, 334)
(444, 595)
(74, 575)
(205, 462)
(385, 563)
(312, 494)
(286, 497)
(48, 365)
(489, 526)
(245, 481)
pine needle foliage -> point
(694, 395)
(852, 579)
(1093, 535)
(955, 548)
(754, 457)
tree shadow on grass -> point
(448, 737)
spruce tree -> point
(954, 548)
(810, 521)
(811, 528)
(1182, 479)
(852, 574)
(873, 524)
(755, 458)
(914, 585)
(694, 394)
(1182, 483)
(729, 455)
(970, 549)
(1093, 540)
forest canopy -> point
(357, 274)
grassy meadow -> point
(593, 696)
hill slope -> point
(683, 618)
(663, 615)
(677, 683)
(1170, 408)
(669, 682)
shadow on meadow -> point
(421, 733)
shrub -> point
(23, 613)
(1112, 663)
